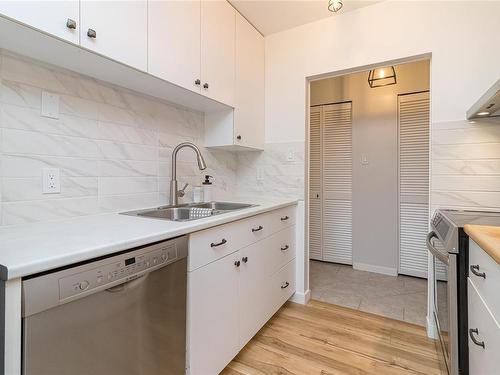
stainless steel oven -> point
(449, 246)
(123, 314)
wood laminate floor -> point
(324, 339)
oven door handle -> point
(438, 254)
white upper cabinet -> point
(174, 42)
(249, 85)
(59, 18)
(217, 50)
(116, 29)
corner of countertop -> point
(487, 237)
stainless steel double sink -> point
(188, 212)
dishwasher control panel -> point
(123, 269)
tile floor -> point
(398, 297)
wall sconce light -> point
(334, 5)
(379, 77)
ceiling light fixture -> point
(334, 5)
(379, 77)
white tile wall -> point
(466, 164)
(113, 146)
(271, 173)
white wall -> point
(461, 35)
(375, 135)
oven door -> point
(444, 267)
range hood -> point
(488, 105)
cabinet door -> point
(120, 30)
(213, 315)
(249, 86)
(53, 17)
(217, 50)
(174, 42)
(255, 303)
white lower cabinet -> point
(484, 335)
(213, 320)
(231, 298)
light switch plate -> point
(50, 105)
(364, 159)
(51, 181)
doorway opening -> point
(368, 190)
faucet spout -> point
(174, 192)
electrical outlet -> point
(364, 159)
(51, 181)
(290, 156)
(50, 105)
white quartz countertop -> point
(32, 248)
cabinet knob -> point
(244, 259)
(237, 263)
(197, 82)
(205, 85)
(238, 137)
(91, 33)
(475, 270)
(71, 24)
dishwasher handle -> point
(438, 254)
(136, 281)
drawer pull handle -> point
(475, 270)
(284, 218)
(237, 263)
(218, 243)
(473, 331)
(285, 285)
(244, 259)
(260, 227)
(91, 33)
(285, 248)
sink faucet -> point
(174, 192)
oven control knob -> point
(84, 285)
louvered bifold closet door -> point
(413, 115)
(315, 248)
(337, 182)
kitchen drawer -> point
(214, 243)
(281, 248)
(487, 286)
(482, 360)
(282, 285)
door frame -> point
(338, 73)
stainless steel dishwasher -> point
(124, 314)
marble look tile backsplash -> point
(465, 171)
(112, 146)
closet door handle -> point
(475, 270)
(197, 82)
(223, 241)
(237, 263)
(473, 331)
(259, 228)
(285, 285)
(244, 259)
(285, 248)
(205, 85)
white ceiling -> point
(271, 16)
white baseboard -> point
(301, 298)
(431, 329)
(377, 269)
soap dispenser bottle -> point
(207, 189)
